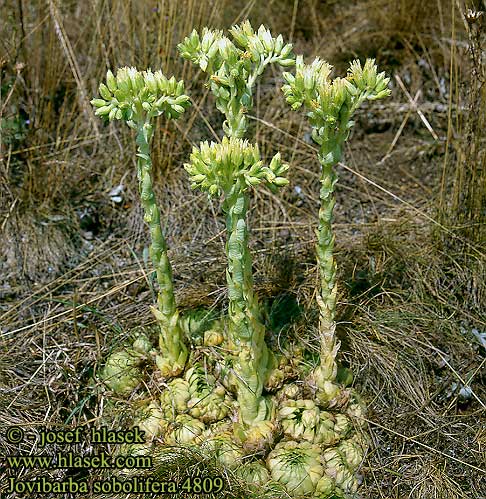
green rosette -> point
(300, 419)
(297, 466)
(346, 482)
(185, 430)
(255, 474)
(225, 449)
(122, 372)
(151, 421)
(208, 401)
(352, 451)
(259, 438)
(175, 397)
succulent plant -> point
(356, 409)
(137, 98)
(352, 451)
(142, 344)
(185, 430)
(325, 488)
(224, 448)
(299, 419)
(254, 473)
(231, 168)
(175, 397)
(151, 421)
(208, 401)
(317, 453)
(258, 438)
(346, 483)
(287, 364)
(196, 322)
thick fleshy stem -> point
(173, 352)
(329, 155)
(330, 105)
(246, 331)
(252, 362)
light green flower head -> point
(331, 102)
(234, 163)
(234, 66)
(213, 51)
(132, 95)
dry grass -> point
(74, 282)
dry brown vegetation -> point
(410, 217)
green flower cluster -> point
(132, 94)
(332, 102)
(234, 67)
(233, 165)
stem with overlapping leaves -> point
(234, 66)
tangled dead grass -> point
(411, 304)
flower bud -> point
(280, 181)
(105, 93)
(207, 40)
(203, 63)
(111, 81)
(286, 50)
(150, 81)
(161, 81)
(177, 109)
(180, 89)
(239, 36)
(98, 103)
(267, 40)
(112, 114)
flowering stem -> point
(173, 352)
(329, 155)
(247, 333)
